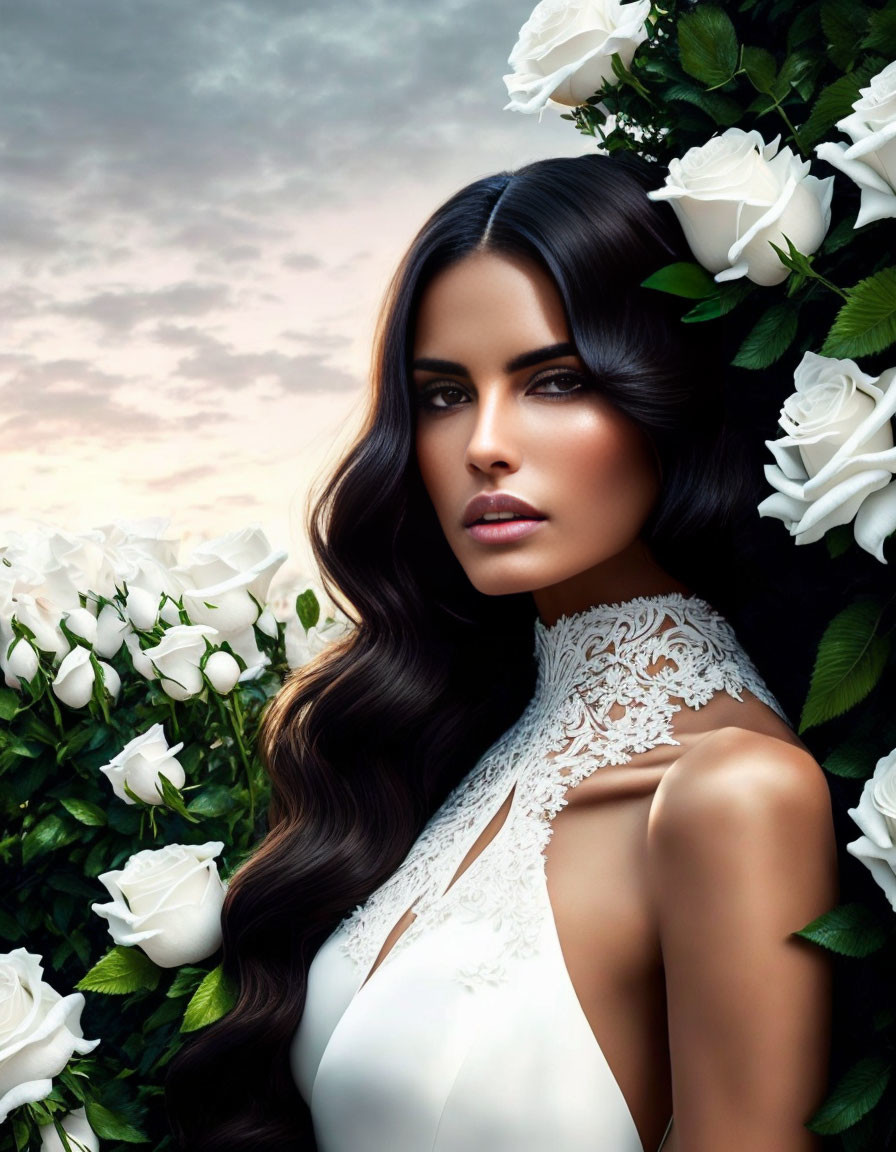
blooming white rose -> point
(837, 460)
(222, 671)
(140, 763)
(73, 684)
(77, 1128)
(167, 901)
(177, 656)
(302, 646)
(40, 1030)
(20, 663)
(735, 193)
(230, 573)
(870, 160)
(565, 49)
(876, 818)
(42, 617)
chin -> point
(506, 584)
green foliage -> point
(849, 663)
(707, 45)
(214, 997)
(849, 929)
(854, 1095)
(867, 321)
(683, 278)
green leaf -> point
(851, 761)
(120, 971)
(833, 103)
(867, 321)
(728, 294)
(855, 1094)
(839, 539)
(212, 801)
(839, 236)
(761, 69)
(848, 929)
(770, 339)
(707, 45)
(48, 835)
(881, 31)
(683, 278)
(849, 662)
(212, 999)
(844, 23)
(307, 609)
(9, 703)
(798, 72)
(84, 811)
(721, 109)
(111, 1125)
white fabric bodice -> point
(469, 1036)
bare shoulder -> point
(737, 781)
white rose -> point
(139, 764)
(42, 617)
(73, 684)
(267, 623)
(138, 656)
(735, 193)
(168, 901)
(565, 48)
(110, 631)
(111, 679)
(39, 1031)
(837, 459)
(302, 646)
(76, 1127)
(81, 622)
(222, 671)
(176, 659)
(20, 663)
(871, 158)
(876, 818)
(229, 573)
(142, 607)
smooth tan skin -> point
(677, 878)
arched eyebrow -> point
(524, 360)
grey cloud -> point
(121, 309)
(184, 476)
(302, 262)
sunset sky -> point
(200, 207)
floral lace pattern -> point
(609, 682)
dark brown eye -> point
(426, 397)
(566, 382)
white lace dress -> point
(469, 1036)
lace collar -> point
(619, 658)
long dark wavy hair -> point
(363, 744)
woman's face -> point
(504, 407)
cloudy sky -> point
(200, 206)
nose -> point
(494, 443)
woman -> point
(539, 832)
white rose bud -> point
(565, 49)
(111, 679)
(110, 631)
(73, 684)
(735, 195)
(168, 902)
(876, 817)
(267, 623)
(140, 763)
(870, 161)
(82, 623)
(837, 460)
(142, 608)
(42, 617)
(177, 657)
(222, 671)
(39, 1031)
(21, 663)
(77, 1129)
(142, 664)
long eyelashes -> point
(425, 397)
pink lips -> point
(499, 531)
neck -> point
(631, 575)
